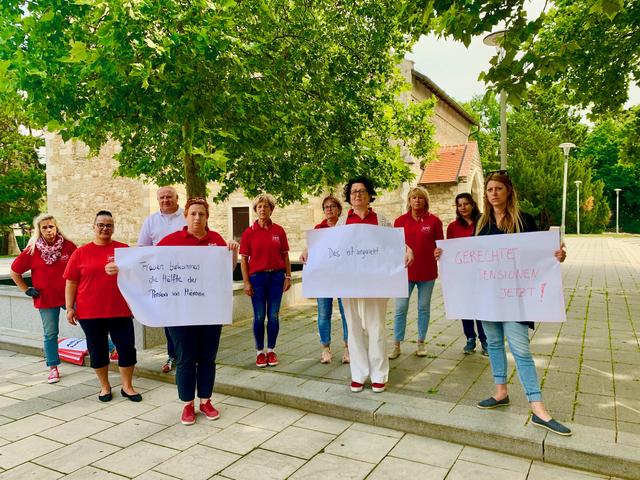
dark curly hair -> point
(368, 184)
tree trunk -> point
(196, 186)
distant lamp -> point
(566, 147)
(617, 190)
(578, 182)
(495, 39)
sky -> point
(455, 68)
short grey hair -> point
(266, 198)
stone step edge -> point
(493, 430)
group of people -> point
(85, 283)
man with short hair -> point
(169, 219)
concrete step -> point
(495, 430)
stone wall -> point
(78, 186)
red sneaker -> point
(209, 410)
(378, 387)
(188, 414)
(272, 359)
(356, 387)
(54, 375)
(113, 356)
(261, 360)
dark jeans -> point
(196, 349)
(97, 331)
(469, 332)
(171, 350)
(267, 294)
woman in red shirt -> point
(94, 301)
(46, 255)
(467, 213)
(421, 230)
(197, 345)
(266, 273)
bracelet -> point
(288, 276)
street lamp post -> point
(495, 40)
(617, 190)
(577, 182)
(566, 147)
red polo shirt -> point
(421, 235)
(98, 295)
(184, 238)
(264, 247)
(370, 219)
(47, 279)
(456, 230)
(322, 224)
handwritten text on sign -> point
(174, 286)
(502, 278)
(355, 261)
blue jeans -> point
(518, 337)
(425, 289)
(267, 294)
(50, 326)
(325, 309)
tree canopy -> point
(590, 48)
(22, 177)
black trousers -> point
(97, 331)
(196, 349)
(467, 326)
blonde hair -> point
(512, 220)
(418, 192)
(263, 197)
(36, 235)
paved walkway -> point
(589, 366)
(63, 431)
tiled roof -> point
(453, 162)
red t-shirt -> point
(98, 295)
(184, 238)
(370, 219)
(322, 224)
(421, 235)
(264, 247)
(456, 230)
(47, 279)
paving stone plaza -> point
(299, 420)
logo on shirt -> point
(275, 238)
(426, 228)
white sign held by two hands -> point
(502, 278)
(177, 286)
(355, 261)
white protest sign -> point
(176, 286)
(355, 261)
(502, 278)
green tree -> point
(284, 96)
(591, 49)
(22, 178)
(609, 150)
(486, 111)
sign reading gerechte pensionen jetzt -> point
(175, 286)
(502, 278)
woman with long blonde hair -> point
(502, 215)
(46, 255)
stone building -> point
(78, 186)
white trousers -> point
(367, 340)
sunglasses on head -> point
(498, 172)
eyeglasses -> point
(358, 192)
(330, 207)
(47, 227)
(106, 226)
